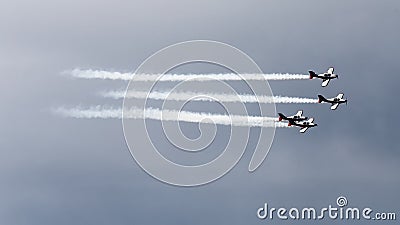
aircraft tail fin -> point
(321, 99)
(281, 117)
(291, 122)
(312, 74)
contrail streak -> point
(196, 96)
(98, 112)
(106, 75)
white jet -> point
(303, 124)
(326, 77)
(297, 117)
(335, 102)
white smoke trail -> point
(183, 96)
(99, 112)
(106, 75)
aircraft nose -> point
(337, 76)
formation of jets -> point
(304, 122)
(298, 120)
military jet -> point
(297, 117)
(303, 124)
(335, 102)
(326, 77)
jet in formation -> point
(326, 77)
(335, 102)
(297, 117)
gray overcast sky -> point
(56, 170)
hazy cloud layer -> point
(58, 170)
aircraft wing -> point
(330, 70)
(302, 130)
(325, 83)
(334, 106)
(299, 113)
(340, 96)
(310, 120)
